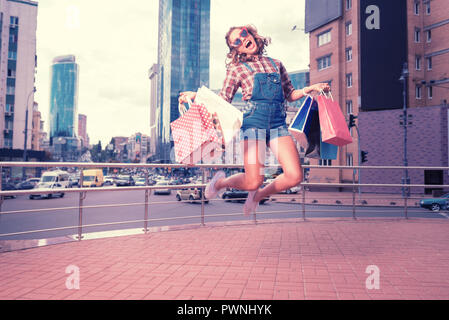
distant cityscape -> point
(389, 74)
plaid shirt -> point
(240, 76)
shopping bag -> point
(334, 128)
(195, 137)
(305, 127)
(228, 119)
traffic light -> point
(363, 155)
(352, 120)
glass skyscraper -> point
(64, 108)
(183, 59)
(64, 97)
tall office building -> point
(360, 47)
(18, 22)
(64, 106)
(183, 60)
(64, 97)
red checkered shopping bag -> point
(196, 137)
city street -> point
(161, 207)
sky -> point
(115, 44)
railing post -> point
(405, 205)
(145, 215)
(82, 196)
(353, 193)
(304, 203)
(1, 183)
(203, 179)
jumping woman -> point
(265, 86)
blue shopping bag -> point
(305, 127)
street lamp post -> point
(26, 133)
(403, 78)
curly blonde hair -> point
(233, 56)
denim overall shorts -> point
(264, 113)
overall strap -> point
(248, 67)
(274, 64)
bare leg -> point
(252, 179)
(285, 151)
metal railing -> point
(82, 192)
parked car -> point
(109, 181)
(292, 190)
(54, 188)
(74, 182)
(28, 184)
(238, 195)
(163, 190)
(7, 186)
(435, 204)
(191, 194)
(140, 182)
(124, 181)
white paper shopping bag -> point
(230, 118)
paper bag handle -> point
(327, 95)
(182, 108)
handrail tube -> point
(83, 191)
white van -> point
(55, 181)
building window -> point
(418, 62)
(349, 80)
(348, 4)
(349, 159)
(9, 108)
(324, 62)
(430, 92)
(428, 7)
(429, 63)
(349, 107)
(11, 73)
(324, 38)
(417, 35)
(418, 92)
(8, 143)
(348, 54)
(9, 125)
(349, 28)
(12, 38)
(416, 7)
(429, 35)
(10, 90)
(13, 21)
(12, 55)
(325, 162)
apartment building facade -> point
(360, 48)
(18, 22)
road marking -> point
(443, 214)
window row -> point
(325, 37)
(13, 21)
(12, 55)
(325, 62)
(418, 35)
(417, 7)
(418, 63)
(9, 108)
(419, 89)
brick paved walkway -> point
(279, 259)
